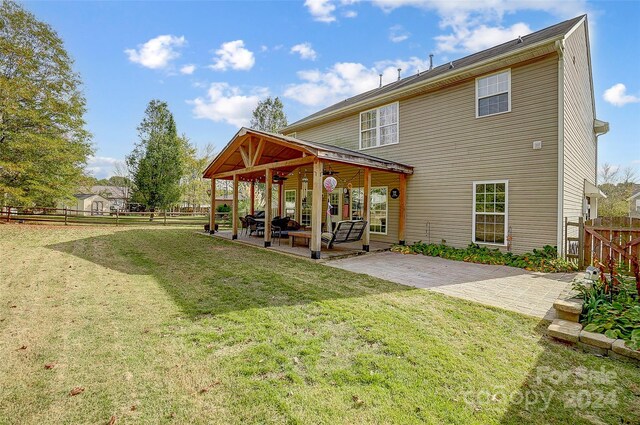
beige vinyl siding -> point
(450, 149)
(347, 173)
(579, 138)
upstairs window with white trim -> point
(493, 94)
(379, 127)
(490, 207)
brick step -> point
(568, 310)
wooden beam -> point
(367, 207)
(267, 207)
(402, 219)
(258, 154)
(251, 150)
(252, 202)
(316, 211)
(234, 234)
(224, 155)
(212, 213)
(245, 156)
(263, 167)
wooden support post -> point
(164, 221)
(65, 216)
(252, 201)
(234, 209)
(402, 219)
(581, 263)
(117, 216)
(212, 213)
(268, 185)
(366, 207)
(280, 198)
(316, 211)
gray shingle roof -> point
(512, 46)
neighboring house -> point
(89, 204)
(118, 196)
(634, 203)
(501, 147)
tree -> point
(43, 143)
(158, 159)
(269, 115)
(618, 185)
(193, 186)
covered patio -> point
(260, 157)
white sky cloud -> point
(103, 167)
(158, 52)
(350, 14)
(188, 69)
(617, 95)
(482, 37)
(345, 79)
(305, 50)
(233, 55)
(226, 103)
(321, 10)
(398, 34)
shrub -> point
(223, 208)
(611, 306)
(544, 260)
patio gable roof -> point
(251, 152)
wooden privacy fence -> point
(615, 237)
(116, 218)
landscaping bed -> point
(543, 260)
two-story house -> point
(496, 148)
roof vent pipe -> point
(380, 81)
(399, 70)
(519, 40)
(430, 61)
(450, 65)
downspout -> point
(560, 225)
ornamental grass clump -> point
(541, 260)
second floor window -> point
(379, 127)
(493, 94)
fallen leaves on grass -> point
(24, 347)
(49, 366)
(112, 421)
(76, 391)
(208, 387)
(357, 401)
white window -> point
(378, 208)
(379, 127)
(490, 208)
(290, 204)
(305, 216)
(493, 94)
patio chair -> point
(345, 232)
(244, 225)
(279, 227)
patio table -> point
(300, 234)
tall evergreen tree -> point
(43, 143)
(158, 160)
(269, 115)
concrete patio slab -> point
(499, 286)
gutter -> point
(297, 126)
(559, 45)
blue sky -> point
(213, 61)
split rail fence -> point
(68, 216)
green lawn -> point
(163, 325)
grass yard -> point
(162, 325)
